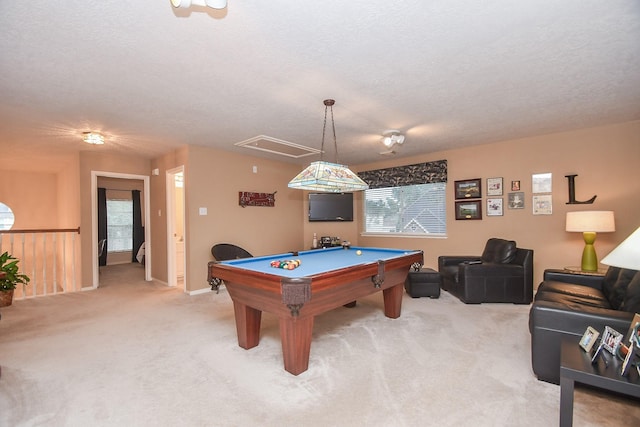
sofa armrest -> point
(454, 260)
(574, 321)
(565, 276)
(551, 322)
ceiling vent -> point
(277, 146)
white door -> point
(176, 256)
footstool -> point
(423, 283)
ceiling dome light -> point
(392, 137)
(95, 138)
(214, 4)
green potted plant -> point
(10, 277)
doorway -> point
(94, 221)
(176, 232)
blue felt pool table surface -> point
(318, 261)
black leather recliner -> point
(503, 273)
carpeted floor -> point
(136, 353)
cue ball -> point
(358, 252)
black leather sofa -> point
(503, 273)
(566, 303)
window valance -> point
(400, 176)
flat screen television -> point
(330, 206)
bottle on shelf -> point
(314, 243)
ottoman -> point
(423, 283)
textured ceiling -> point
(447, 73)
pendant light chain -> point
(324, 128)
(335, 143)
(328, 104)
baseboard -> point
(200, 291)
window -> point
(6, 217)
(411, 210)
(119, 225)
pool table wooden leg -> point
(393, 301)
(295, 334)
(247, 325)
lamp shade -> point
(327, 177)
(626, 254)
(214, 4)
(594, 221)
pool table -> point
(326, 279)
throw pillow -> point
(619, 289)
(631, 302)
(610, 279)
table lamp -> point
(626, 254)
(589, 223)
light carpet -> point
(136, 353)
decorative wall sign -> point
(572, 192)
(249, 198)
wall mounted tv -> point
(330, 206)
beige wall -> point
(605, 159)
(33, 198)
(213, 180)
(172, 160)
(68, 194)
(42, 200)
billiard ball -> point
(358, 252)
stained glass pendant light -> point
(325, 176)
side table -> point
(576, 366)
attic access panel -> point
(277, 146)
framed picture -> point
(541, 183)
(632, 358)
(494, 207)
(632, 353)
(516, 200)
(494, 187)
(542, 205)
(515, 185)
(469, 209)
(611, 339)
(589, 339)
(633, 328)
(468, 189)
